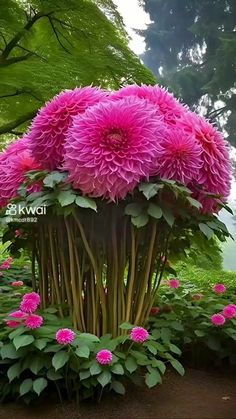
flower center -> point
(114, 138)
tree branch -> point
(14, 60)
(4, 129)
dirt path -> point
(198, 395)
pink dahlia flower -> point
(174, 283)
(49, 128)
(154, 311)
(104, 357)
(65, 336)
(15, 162)
(218, 319)
(180, 157)
(215, 174)
(30, 302)
(112, 147)
(219, 288)
(17, 283)
(164, 102)
(18, 314)
(34, 321)
(139, 334)
(12, 323)
(229, 311)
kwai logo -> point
(13, 209)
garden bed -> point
(197, 395)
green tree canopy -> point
(191, 47)
(48, 45)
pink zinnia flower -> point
(174, 283)
(34, 321)
(65, 336)
(154, 311)
(215, 174)
(219, 288)
(34, 296)
(218, 319)
(164, 102)
(49, 128)
(18, 314)
(12, 323)
(139, 334)
(179, 158)
(112, 146)
(30, 302)
(14, 165)
(104, 357)
(229, 311)
(17, 283)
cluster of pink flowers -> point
(6, 264)
(17, 283)
(228, 313)
(110, 142)
(26, 314)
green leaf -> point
(37, 364)
(194, 202)
(14, 371)
(130, 364)
(150, 189)
(16, 332)
(152, 378)
(174, 349)
(83, 351)
(60, 359)
(213, 343)
(53, 375)
(117, 369)
(54, 178)
(160, 365)
(170, 219)
(177, 366)
(95, 368)
(118, 387)
(89, 337)
(104, 378)
(126, 326)
(84, 374)
(141, 220)
(40, 343)
(39, 385)
(133, 209)
(151, 347)
(165, 334)
(177, 326)
(9, 351)
(66, 198)
(206, 230)
(22, 340)
(26, 386)
(199, 333)
(154, 210)
(85, 202)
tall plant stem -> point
(129, 300)
(55, 270)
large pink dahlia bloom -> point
(49, 128)
(214, 176)
(112, 147)
(15, 162)
(164, 102)
(180, 156)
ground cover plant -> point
(103, 191)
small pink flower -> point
(174, 283)
(219, 288)
(154, 311)
(19, 233)
(139, 334)
(34, 321)
(65, 336)
(5, 265)
(104, 357)
(17, 283)
(197, 296)
(218, 319)
(229, 311)
(12, 323)
(33, 296)
(29, 306)
(18, 314)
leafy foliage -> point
(48, 46)
(191, 47)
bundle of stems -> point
(98, 268)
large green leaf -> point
(39, 385)
(23, 340)
(104, 378)
(60, 359)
